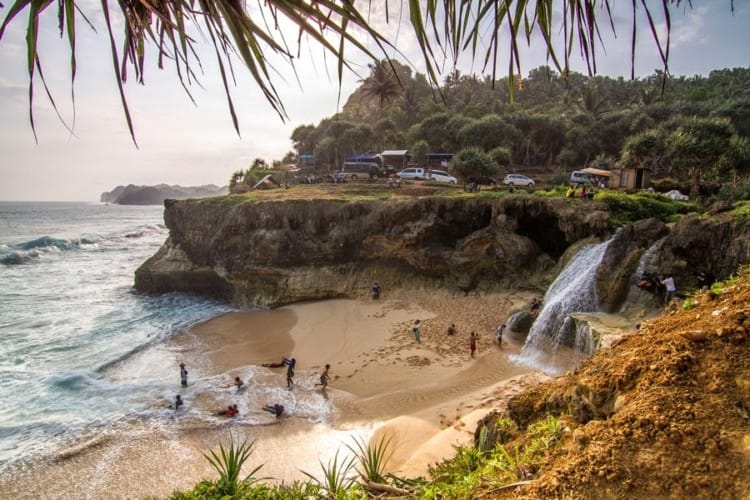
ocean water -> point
(70, 319)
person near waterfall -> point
(534, 306)
(670, 287)
(499, 334)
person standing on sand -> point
(183, 375)
(290, 363)
(473, 343)
(324, 377)
(417, 331)
(375, 290)
(499, 334)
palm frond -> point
(443, 30)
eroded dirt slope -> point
(664, 413)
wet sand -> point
(428, 396)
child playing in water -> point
(276, 409)
(324, 377)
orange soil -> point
(663, 413)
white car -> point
(440, 176)
(414, 173)
(676, 195)
(518, 180)
(420, 174)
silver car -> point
(440, 176)
(518, 180)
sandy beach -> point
(427, 395)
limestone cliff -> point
(277, 252)
(271, 253)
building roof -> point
(596, 171)
(396, 152)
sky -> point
(194, 144)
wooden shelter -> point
(630, 178)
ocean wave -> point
(74, 381)
(18, 258)
(29, 251)
(47, 242)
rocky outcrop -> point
(272, 253)
(278, 252)
(155, 195)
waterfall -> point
(554, 335)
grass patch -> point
(628, 208)
(741, 211)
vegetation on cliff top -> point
(623, 207)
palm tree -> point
(444, 30)
(382, 83)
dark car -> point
(354, 170)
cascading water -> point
(574, 290)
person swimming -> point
(231, 411)
(274, 365)
(239, 383)
(178, 402)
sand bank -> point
(429, 396)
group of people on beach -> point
(452, 330)
(276, 409)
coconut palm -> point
(382, 84)
(444, 30)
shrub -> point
(228, 463)
(626, 208)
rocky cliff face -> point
(277, 252)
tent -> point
(597, 172)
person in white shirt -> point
(668, 283)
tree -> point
(303, 138)
(645, 150)
(698, 146)
(472, 163)
(418, 151)
(443, 31)
(488, 132)
(259, 163)
(237, 177)
(382, 83)
(501, 156)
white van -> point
(580, 177)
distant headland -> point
(155, 195)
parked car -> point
(518, 180)
(441, 176)
(414, 173)
(579, 177)
(675, 194)
(421, 174)
(354, 170)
